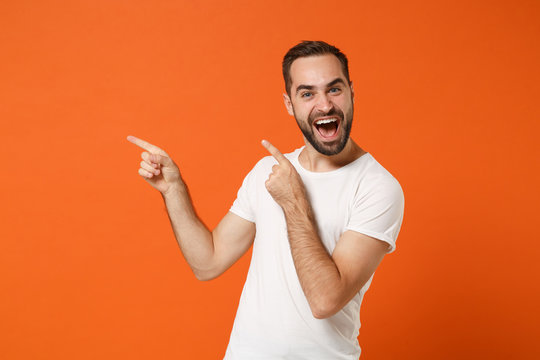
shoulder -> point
(265, 164)
(260, 172)
(375, 179)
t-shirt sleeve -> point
(379, 212)
(243, 205)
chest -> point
(332, 201)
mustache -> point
(333, 112)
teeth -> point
(325, 121)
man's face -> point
(321, 101)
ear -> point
(288, 104)
(352, 91)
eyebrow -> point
(311, 87)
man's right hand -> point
(157, 168)
(208, 254)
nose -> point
(324, 104)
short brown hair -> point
(311, 48)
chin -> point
(329, 150)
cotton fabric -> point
(274, 320)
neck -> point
(312, 160)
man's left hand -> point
(284, 183)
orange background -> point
(447, 99)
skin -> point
(329, 281)
(319, 86)
(208, 253)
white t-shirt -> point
(274, 320)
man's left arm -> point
(329, 282)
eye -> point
(334, 90)
(307, 94)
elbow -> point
(201, 277)
(208, 270)
(323, 310)
(204, 275)
(322, 314)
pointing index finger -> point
(143, 144)
(274, 152)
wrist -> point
(299, 206)
(174, 190)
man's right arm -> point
(208, 254)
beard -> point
(330, 148)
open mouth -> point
(327, 127)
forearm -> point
(318, 274)
(193, 237)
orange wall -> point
(447, 99)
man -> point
(325, 215)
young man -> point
(325, 215)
